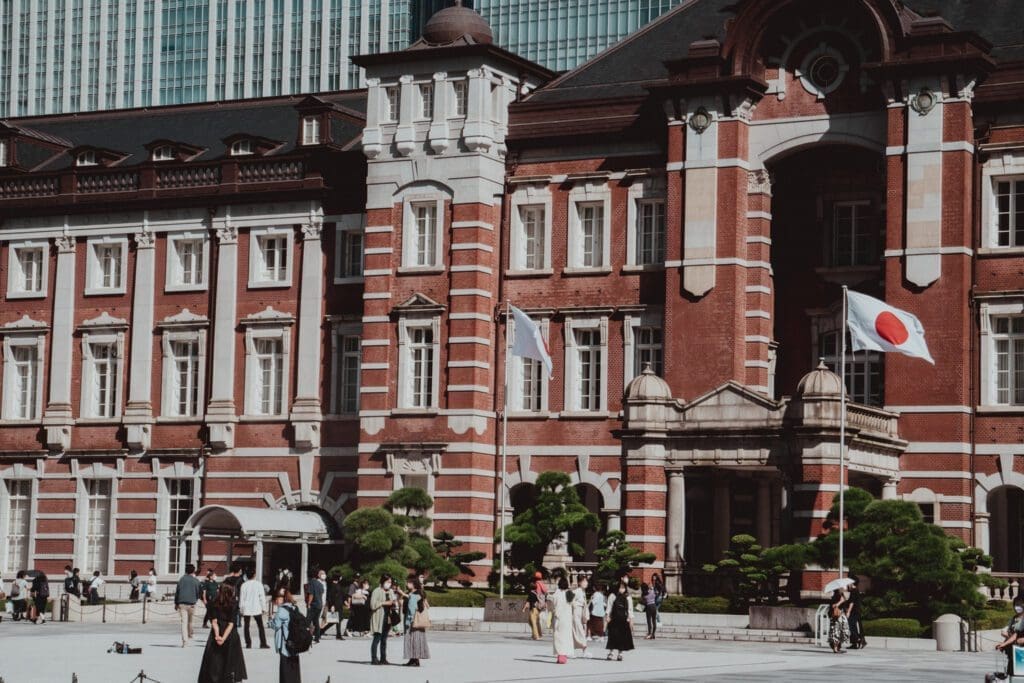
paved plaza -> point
(53, 652)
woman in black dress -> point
(620, 623)
(223, 661)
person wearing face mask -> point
(1013, 634)
(381, 607)
(315, 603)
(620, 621)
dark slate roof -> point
(203, 125)
(624, 68)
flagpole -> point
(842, 435)
(504, 450)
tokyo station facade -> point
(297, 303)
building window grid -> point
(108, 260)
(650, 232)
(29, 264)
(183, 52)
(392, 100)
(588, 369)
(180, 507)
(865, 377)
(334, 53)
(97, 534)
(853, 241)
(295, 76)
(532, 220)
(316, 20)
(1008, 336)
(273, 251)
(421, 353)
(459, 90)
(351, 258)
(257, 48)
(185, 378)
(648, 348)
(311, 130)
(93, 73)
(531, 393)
(1009, 198)
(269, 356)
(426, 100)
(19, 517)
(128, 82)
(346, 400)
(103, 394)
(24, 392)
(425, 233)
(591, 217)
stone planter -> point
(764, 617)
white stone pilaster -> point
(220, 415)
(675, 530)
(479, 129)
(924, 183)
(405, 135)
(58, 416)
(889, 489)
(438, 134)
(138, 414)
(306, 411)
(700, 187)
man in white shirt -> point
(250, 604)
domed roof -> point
(820, 382)
(647, 386)
(453, 23)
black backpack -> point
(300, 632)
(620, 607)
(43, 586)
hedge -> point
(993, 617)
(460, 597)
(693, 605)
(896, 628)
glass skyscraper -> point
(80, 55)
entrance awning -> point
(257, 524)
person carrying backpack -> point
(40, 595)
(292, 635)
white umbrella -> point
(838, 584)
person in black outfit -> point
(857, 641)
(72, 582)
(40, 595)
(210, 586)
(336, 597)
(223, 661)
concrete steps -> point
(665, 632)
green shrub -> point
(460, 597)
(693, 605)
(896, 628)
(993, 617)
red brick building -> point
(693, 198)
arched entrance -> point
(1006, 534)
(828, 228)
(589, 539)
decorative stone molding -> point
(184, 318)
(227, 235)
(145, 240)
(759, 182)
(104, 321)
(312, 231)
(269, 316)
(65, 244)
(24, 324)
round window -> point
(822, 71)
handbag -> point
(394, 618)
(421, 620)
(331, 617)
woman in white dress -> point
(561, 622)
(580, 613)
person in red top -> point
(539, 586)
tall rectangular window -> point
(591, 221)
(426, 93)
(531, 255)
(1008, 335)
(588, 369)
(424, 234)
(532, 387)
(459, 89)
(648, 349)
(102, 380)
(864, 370)
(1009, 213)
(179, 493)
(350, 258)
(853, 240)
(650, 232)
(97, 530)
(3, 153)
(107, 267)
(269, 376)
(392, 101)
(311, 130)
(421, 353)
(190, 262)
(347, 374)
(23, 394)
(185, 379)
(19, 515)
(29, 262)
(273, 251)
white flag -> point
(877, 326)
(528, 342)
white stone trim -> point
(570, 326)
(31, 338)
(646, 189)
(630, 324)
(515, 371)
(14, 291)
(524, 196)
(343, 225)
(405, 323)
(589, 192)
(466, 246)
(987, 310)
(116, 340)
(172, 281)
(409, 201)
(929, 409)
(339, 331)
(252, 333)
(256, 235)
(167, 399)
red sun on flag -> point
(891, 329)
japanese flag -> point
(877, 326)
(528, 342)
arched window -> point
(241, 148)
(163, 153)
(86, 158)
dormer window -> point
(3, 153)
(311, 130)
(163, 153)
(241, 148)
(86, 158)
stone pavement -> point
(52, 652)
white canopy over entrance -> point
(258, 526)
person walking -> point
(210, 586)
(251, 605)
(580, 614)
(223, 661)
(857, 640)
(19, 596)
(135, 583)
(1013, 635)
(187, 593)
(94, 588)
(649, 600)
(658, 585)
(561, 622)
(534, 605)
(288, 666)
(417, 621)
(359, 610)
(336, 598)
(315, 598)
(620, 622)
(40, 595)
(380, 620)
(838, 627)
(73, 582)
(149, 585)
(598, 609)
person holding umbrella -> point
(838, 626)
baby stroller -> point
(1008, 662)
